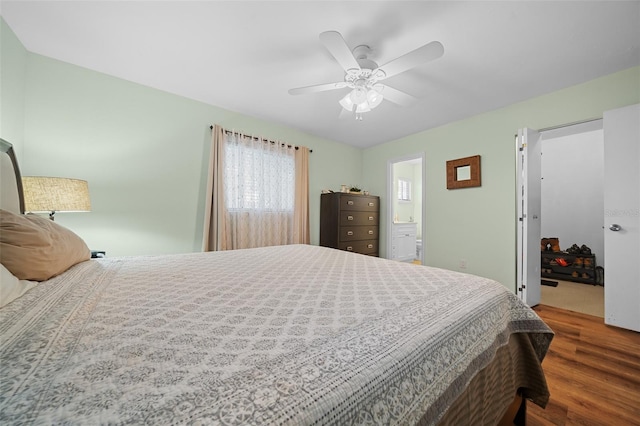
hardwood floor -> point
(592, 370)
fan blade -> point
(421, 55)
(336, 45)
(398, 97)
(317, 88)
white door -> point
(622, 217)
(528, 165)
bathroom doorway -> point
(405, 192)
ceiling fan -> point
(363, 75)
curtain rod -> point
(255, 138)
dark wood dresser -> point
(350, 222)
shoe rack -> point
(579, 268)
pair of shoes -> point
(587, 263)
(562, 262)
(545, 245)
(585, 250)
(578, 262)
(574, 249)
(550, 244)
(575, 274)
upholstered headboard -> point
(11, 195)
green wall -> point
(13, 66)
(144, 153)
(478, 225)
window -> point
(258, 193)
(259, 177)
(404, 190)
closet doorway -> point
(572, 210)
(621, 224)
(405, 215)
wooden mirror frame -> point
(474, 165)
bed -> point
(286, 335)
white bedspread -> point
(279, 335)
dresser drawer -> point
(354, 233)
(359, 202)
(348, 218)
(363, 247)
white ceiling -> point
(244, 56)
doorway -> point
(572, 214)
(621, 128)
(405, 192)
(565, 178)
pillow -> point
(36, 248)
(11, 287)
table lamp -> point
(55, 194)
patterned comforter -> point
(279, 335)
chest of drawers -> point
(350, 222)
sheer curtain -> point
(257, 193)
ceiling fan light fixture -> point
(358, 95)
(363, 107)
(374, 98)
(348, 104)
(364, 100)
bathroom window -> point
(404, 190)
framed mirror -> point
(463, 172)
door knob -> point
(615, 227)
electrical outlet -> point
(463, 264)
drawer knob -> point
(349, 248)
(370, 231)
(371, 204)
(370, 246)
(370, 217)
(350, 202)
(349, 232)
(349, 217)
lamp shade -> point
(363, 100)
(55, 194)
